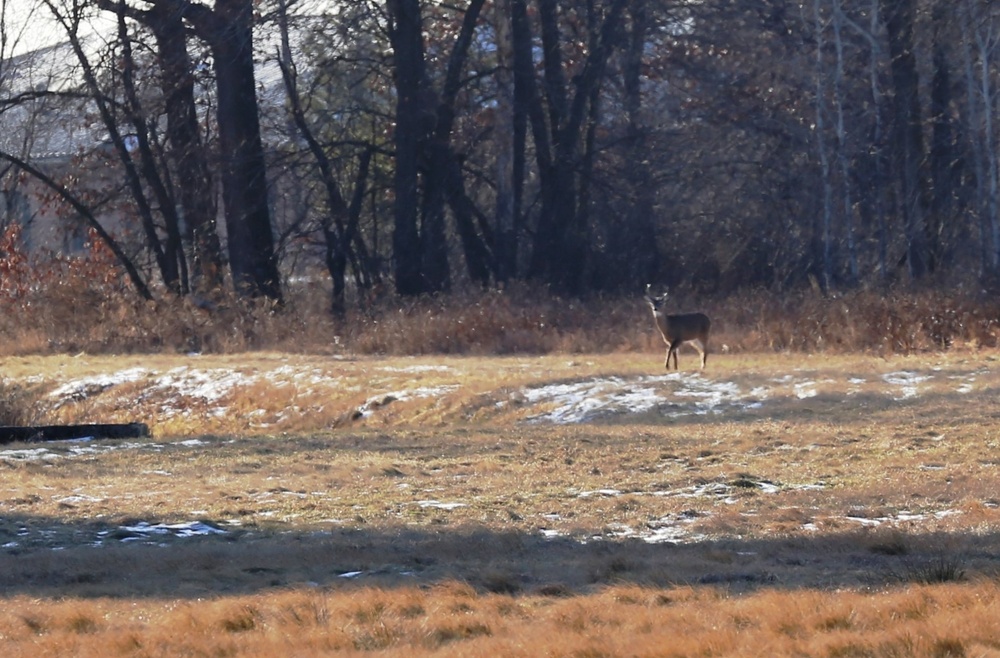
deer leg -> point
(702, 348)
(672, 350)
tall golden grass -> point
(452, 619)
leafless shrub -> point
(17, 404)
(940, 569)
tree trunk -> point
(506, 203)
(825, 237)
(907, 135)
(228, 31)
(943, 152)
(244, 180)
(405, 34)
(558, 256)
(524, 93)
(977, 115)
(843, 160)
(478, 258)
(186, 150)
(175, 273)
(638, 250)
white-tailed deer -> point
(677, 329)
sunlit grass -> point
(454, 620)
(842, 515)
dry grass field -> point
(778, 504)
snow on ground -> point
(907, 383)
(85, 387)
(56, 450)
(376, 401)
(585, 399)
(581, 401)
(178, 390)
(140, 532)
(144, 531)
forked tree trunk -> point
(186, 149)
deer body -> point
(679, 329)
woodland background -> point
(582, 148)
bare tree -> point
(340, 222)
(559, 250)
(507, 201)
(980, 49)
(70, 16)
(908, 149)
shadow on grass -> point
(825, 406)
(245, 562)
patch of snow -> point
(436, 504)
(670, 529)
(902, 517)
(417, 369)
(966, 383)
(710, 393)
(599, 492)
(372, 403)
(69, 450)
(28, 454)
(79, 498)
(907, 383)
(578, 402)
(311, 376)
(80, 389)
(144, 530)
(805, 390)
(208, 385)
(856, 384)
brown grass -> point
(18, 403)
(453, 620)
(421, 529)
(76, 313)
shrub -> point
(55, 303)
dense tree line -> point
(589, 145)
